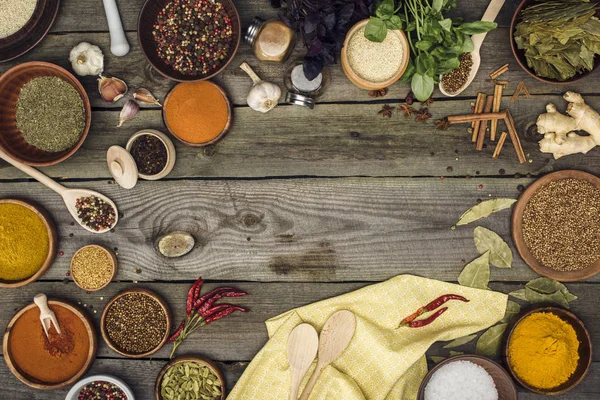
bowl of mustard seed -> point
(93, 267)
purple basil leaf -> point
(316, 48)
(310, 23)
(329, 21)
(312, 67)
(276, 3)
(345, 15)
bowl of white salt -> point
(467, 377)
(374, 65)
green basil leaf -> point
(460, 341)
(448, 65)
(476, 274)
(438, 4)
(409, 71)
(376, 30)
(385, 7)
(467, 45)
(512, 310)
(484, 209)
(422, 86)
(411, 26)
(394, 22)
(446, 24)
(490, 342)
(423, 45)
(474, 28)
(487, 240)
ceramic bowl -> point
(93, 342)
(517, 228)
(520, 54)
(504, 384)
(585, 351)
(361, 82)
(32, 33)
(11, 139)
(52, 236)
(110, 254)
(74, 392)
(116, 348)
(179, 360)
(171, 153)
(146, 21)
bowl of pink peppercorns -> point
(100, 387)
(189, 40)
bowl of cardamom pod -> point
(190, 377)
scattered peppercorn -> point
(101, 390)
(149, 154)
(95, 213)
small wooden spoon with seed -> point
(302, 347)
(335, 338)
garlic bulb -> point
(263, 96)
(87, 59)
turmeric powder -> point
(543, 350)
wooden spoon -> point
(69, 196)
(335, 337)
(302, 347)
(490, 15)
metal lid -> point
(122, 167)
(300, 100)
(252, 31)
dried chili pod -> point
(428, 320)
(192, 295)
(177, 332)
(223, 313)
(199, 302)
(213, 299)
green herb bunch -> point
(435, 42)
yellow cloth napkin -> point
(382, 361)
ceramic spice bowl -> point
(76, 388)
(170, 148)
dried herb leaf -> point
(512, 310)
(476, 274)
(536, 298)
(460, 341)
(519, 294)
(545, 285)
(456, 353)
(484, 209)
(490, 342)
(487, 240)
(437, 359)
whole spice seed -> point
(561, 224)
(14, 15)
(101, 390)
(190, 380)
(454, 80)
(136, 323)
(50, 114)
(195, 37)
(95, 213)
(92, 267)
(150, 154)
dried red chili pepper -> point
(433, 305)
(212, 300)
(177, 332)
(428, 320)
(192, 295)
(223, 313)
(200, 301)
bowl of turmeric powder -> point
(548, 351)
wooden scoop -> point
(335, 337)
(69, 196)
(47, 316)
(302, 347)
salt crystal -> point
(461, 380)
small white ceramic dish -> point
(74, 392)
(170, 152)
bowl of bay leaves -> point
(556, 41)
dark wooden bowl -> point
(52, 242)
(198, 360)
(32, 33)
(520, 54)
(517, 228)
(219, 136)
(11, 139)
(116, 348)
(585, 351)
(51, 386)
(147, 19)
(504, 384)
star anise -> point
(408, 110)
(422, 115)
(386, 111)
(379, 92)
(428, 102)
(442, 124)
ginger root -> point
(558, 129)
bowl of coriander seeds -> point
(93, 267)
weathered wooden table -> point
(293, 206)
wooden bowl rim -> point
(194, 78)
(146, 292)
(52, 241)
(517, 53)
(31, 25)
(468, 357)
(110, 254)
(73, 81)
(517, 227)
(196, 359)
(91, 354)
(219, 136)
(361, 82)
(559, 312)
(171, 152)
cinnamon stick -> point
(498, 148)
(496, 107)
(524, 89)
(479, 104)
(517, 92)
(463, 119)
(499, 71)
(514, 137)
(489, 102)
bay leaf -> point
(484, 209)
(476, 274)
(486, 240)
(519, 294)
(460, 341)
(437, 359)
(512, 310)
(545, 285)
(569, 296)
(456, 353)
(536, 298)
(490, 342)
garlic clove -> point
(129, 110)
(111, 89)
(145, 96)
